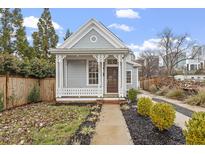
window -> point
(129, 76)
(92, 72)
(112, 61)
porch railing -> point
(77, 92)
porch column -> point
(102, 73)
(57, 74)
(123, 77)
(98, 58)
(65, 73)
(61, 57)
(119, 75)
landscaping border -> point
(143, 132)
(85, 139)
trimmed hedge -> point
(144, 106)
(162, 115)
(195, 129)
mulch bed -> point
(143, 132)
(78, 137)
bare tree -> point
(173, 48)
(150, 66)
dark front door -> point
(112, 79)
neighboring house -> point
(198, 62)
(190, 77)
(92, 64)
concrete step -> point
(107, 101)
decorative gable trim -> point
(98, 27)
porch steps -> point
(98, 100)
(111, 101)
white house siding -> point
(134, 70)
(86, 43)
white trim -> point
(131, 77)
(100, 29)
(87, 74)
(106, 66)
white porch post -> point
(66, 73)
(102, 73)
(123, 77)
(60, 59)
(119, 75)
(57, 84)
(98, 58)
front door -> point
(112, 79)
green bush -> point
(162, 115)
(195, 129)
(41, 68)
(144, 106)
(132, 94)
(176, 94)
(34, 95)
(1, 101)
(153, 89)
(198, 99)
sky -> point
(138, 28)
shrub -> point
(198, 99)
(87, 130)
(176, 94)
(34, 95)
(144, 106)
(162, 115)
(1, 101)
(195, 129)
(132, 94)
(163, 91)
(153, 89)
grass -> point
(41, 123)
(198, 99)
(176, 94)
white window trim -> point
(87, 73)
(126, 77)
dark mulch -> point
(78, 137)
(143, 132)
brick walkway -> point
(112, 128)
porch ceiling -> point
(89, 51)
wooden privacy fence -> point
(16, 90)
(146, 83)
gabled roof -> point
(100, 28)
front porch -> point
(103, 83)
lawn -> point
(41, 123)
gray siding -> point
(86, 43)
(77, 77)
(134, 76)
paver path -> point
(112, 128)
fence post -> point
(7, 99)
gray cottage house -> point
(94, 64)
